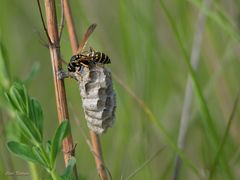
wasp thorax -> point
(75, 58)
(98, 97)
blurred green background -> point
(149, 43)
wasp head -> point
(74, 62)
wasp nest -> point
(98, 97)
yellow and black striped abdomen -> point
(100, 57)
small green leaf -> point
(48, 147)
(36, 115)
(38, 154)
(29, 128)
(18, 98)
(60, 134)
(10, 100)
(23, 151)
(69, 169)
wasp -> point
(86, 58)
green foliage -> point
(28, 112)
(29, 116)
(25, 152)
(149, 45)
(60, 134)
(207, 120)
(69, 169)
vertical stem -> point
(186, 111)
(34, 171)
(96, 147)
(95, 140)
(70, 26)
(60, 93)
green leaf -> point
(4, 70)
(23, 151)
(16, 132)
(29, 128)
(69, 169)
(48, 147)
(38, 154)
(36, 115)
(18, 98)
(60, 134)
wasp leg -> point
(99, 65)
(85, 65)
(61, 74)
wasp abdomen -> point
(100, 57)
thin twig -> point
(70, 26)
(60, 93)
(186, 111)
(43, 23)
(74, 44)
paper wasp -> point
(85, 58)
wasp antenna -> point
(43, 23)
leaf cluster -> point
(29, 117)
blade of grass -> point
(145, 163)
(158, 124)
(207, 120)
(219, 16)
(224, 139)
(186, 111)
(5, 78)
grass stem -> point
(186, 111)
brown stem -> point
(97, 151)
(70, 26)
(60, 93)
(96, 144)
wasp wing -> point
(85, 37)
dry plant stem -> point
(70, 26)
(59, 84)
(96, 147)
(94, 137)
(186, 111)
